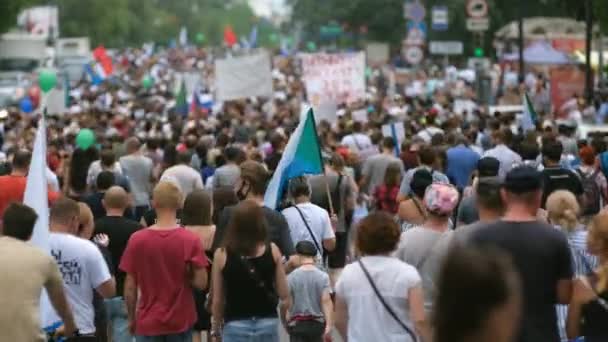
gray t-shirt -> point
(138, 169)
(319, 194)
(306, 288)
(425, 249)
(374, 169)
(226, 176)
(467, 211)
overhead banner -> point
(334, 77)
(243, 77)
(565, 83)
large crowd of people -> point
(467, 229)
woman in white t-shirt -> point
(380, 297)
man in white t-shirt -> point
(187, 178)
(359, 143)
(305, 217)
(81, 264)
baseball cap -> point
(488, 167)
(441, 198)
(306, 248)
(523, 179)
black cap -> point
(306, 248)
(488, 167)
(523, 179)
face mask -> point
(241, 193)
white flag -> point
(36, 189)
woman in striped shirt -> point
(563, 211)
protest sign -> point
(336, 77)
(377, 53)
(565, 83)
(243, 77)
(360, 115)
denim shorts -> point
(251, 330)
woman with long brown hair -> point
(588, 310)
(248, 279)
(196, 217)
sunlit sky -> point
(265, 7)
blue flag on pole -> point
(302, 156)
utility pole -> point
(588, 37)
(520, 40)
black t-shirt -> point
(541, 255)
(278, 230)
(119, 230)
(558, 178)
(94, 201)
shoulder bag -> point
(385, 304)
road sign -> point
(415, 36)
(446, 48)
(439, 18)
(413, 54)
(479, 63)
(477, 8)
(420, 26)
(478, 24)
(415, 11)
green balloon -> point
(85, 139)
(311, 46)
(200, 37)
(147, 82)
(47, 80)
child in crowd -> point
(310, 317)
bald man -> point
(119, 230)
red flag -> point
(229, 36)
(102, 57)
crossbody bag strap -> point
(419, 207)
(314, 239)
(429, 252)
(384, 303)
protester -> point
(358, 143)
(587, 312)
(159, 299)
(545, 268)
(424, 247)
(342, 194)
(462, 161)
(75, 182)
(562, 212)
(107, 162)
(595, 186)
(196, 217)
(228, 174)
(80, 262)
(139, 170)
(487, 169)
(105, 180)
(385, 195)
(428, 161)
(307, 221)
(488, 204)
(412, 211)
(183, 174)
(380, 298)
(13, 186)
(478, 297)
(310, 317)
(501, 151)
(252, 186)
(248, 279)
(555, 177)
(119, 230)
(374, 167)
(23, 281)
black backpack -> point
(590, 203)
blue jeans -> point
(116, 310)
(183, 337)
(251, 330)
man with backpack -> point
(555, 177)
(594, 183)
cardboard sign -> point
(334, 77)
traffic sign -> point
(439, 18)
(415, 11)
(478, 24)
(415, 36)
(420, 26)
(477, 8)
(413, 54)
(446, 47)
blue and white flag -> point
(528, 120)
(253, 37)
(302, 156)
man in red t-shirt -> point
(12, 187)
(164, 262)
